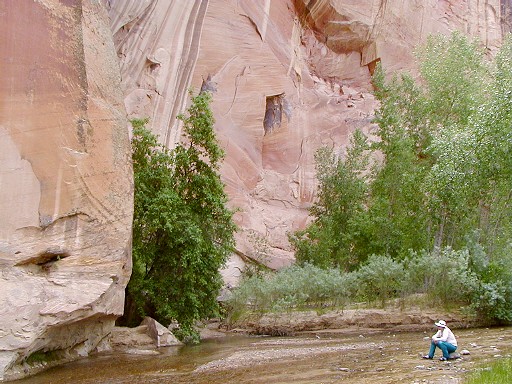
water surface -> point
(322, 357)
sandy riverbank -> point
(346, 321)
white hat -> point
(440, 323)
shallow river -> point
(321, 357)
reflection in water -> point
(315, 358)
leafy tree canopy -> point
(183, 232)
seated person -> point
(444, 339)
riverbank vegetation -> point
(183, 231)
(444, 281)
(499, 372)
(423, 205)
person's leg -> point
(442, 346)
(451, 348)
(447, 348)
(432, 350)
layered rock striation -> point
(66, 184)
(287, 77)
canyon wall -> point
(287, 77)
(66, 184)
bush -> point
(493, 302)
(447, 278)
(493, 299)
(380, 278)
(294, 287)
(444, 275)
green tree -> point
(428, 144)
(455, 75)
(396, 215)
(183, 232)
(332, 240)
(493, 132)
(444, 169)
(432, 149)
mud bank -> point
(348, 321)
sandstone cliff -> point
(287, 77)
(65, 182)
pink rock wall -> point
(65, 181)
(287, 77)
(317, 58)
(157, 42)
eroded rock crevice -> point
(277, 113)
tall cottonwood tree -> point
(183, 231)
(397, 218)
(332, 239)
(445, 140)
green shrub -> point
(444, 275)
(493, 302)
(294, 287)
(493, 299)
(380, 278)
(445, 278)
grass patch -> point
(500, 372)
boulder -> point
(125, 339)
(160, 335)
(149, 335)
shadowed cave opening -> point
(275, 106)
(373, 65)
(46, 258)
